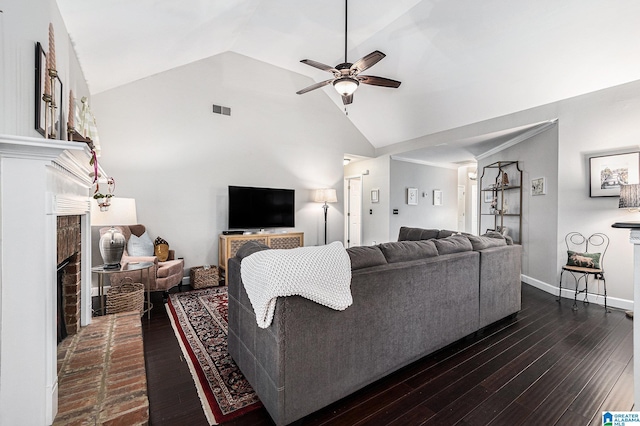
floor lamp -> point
(327, 195)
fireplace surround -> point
(41, 180)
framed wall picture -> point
(375, 195)
(608, 172)
(437, 197)
(488, 196)
(40, 76)
(538, 186)
(412, 196)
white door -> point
(353, 209)
(474, 209)
(461, 208)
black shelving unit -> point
(501, 199)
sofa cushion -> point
(444, 233)
(416, 234)
(583, 260)
(249, 248)
(140, 246)
(480, 242)
(453, 244)
(365, 256)
(495, 234)
(403, 251)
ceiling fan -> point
(346, 76)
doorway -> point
(353, 211)
(461, 208)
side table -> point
(128, 267)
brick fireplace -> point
(69, 255)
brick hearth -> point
(101, 374)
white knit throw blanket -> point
(321, 274)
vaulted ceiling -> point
(459, 61)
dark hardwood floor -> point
(549, 365)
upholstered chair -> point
(163, 275)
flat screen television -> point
(260, 208)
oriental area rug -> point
(199, 320)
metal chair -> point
(584, 259)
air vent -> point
(217, 109)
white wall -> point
(165, 148)
(537, 157)
(22, 24)
(424, 215)
(593, 124)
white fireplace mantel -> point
(40, 179)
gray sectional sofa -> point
(410, 298)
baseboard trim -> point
(613, 302)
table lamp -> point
(326, 195)
(112, 242)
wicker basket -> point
(201, 277)
(128, 296)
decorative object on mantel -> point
(50, 88)
(81, 125)
(104, 200)
(87, 127)
(43, 89)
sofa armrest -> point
(133, 259)
(500, 283)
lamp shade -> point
(326, 195)
(629, 196)
(121, 212)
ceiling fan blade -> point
(314, 86)
(346, 100)
(320, 65)
(378, 81)
(368, 61)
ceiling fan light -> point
(345, 86)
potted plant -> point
(104, 201)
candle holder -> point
(51, 106)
